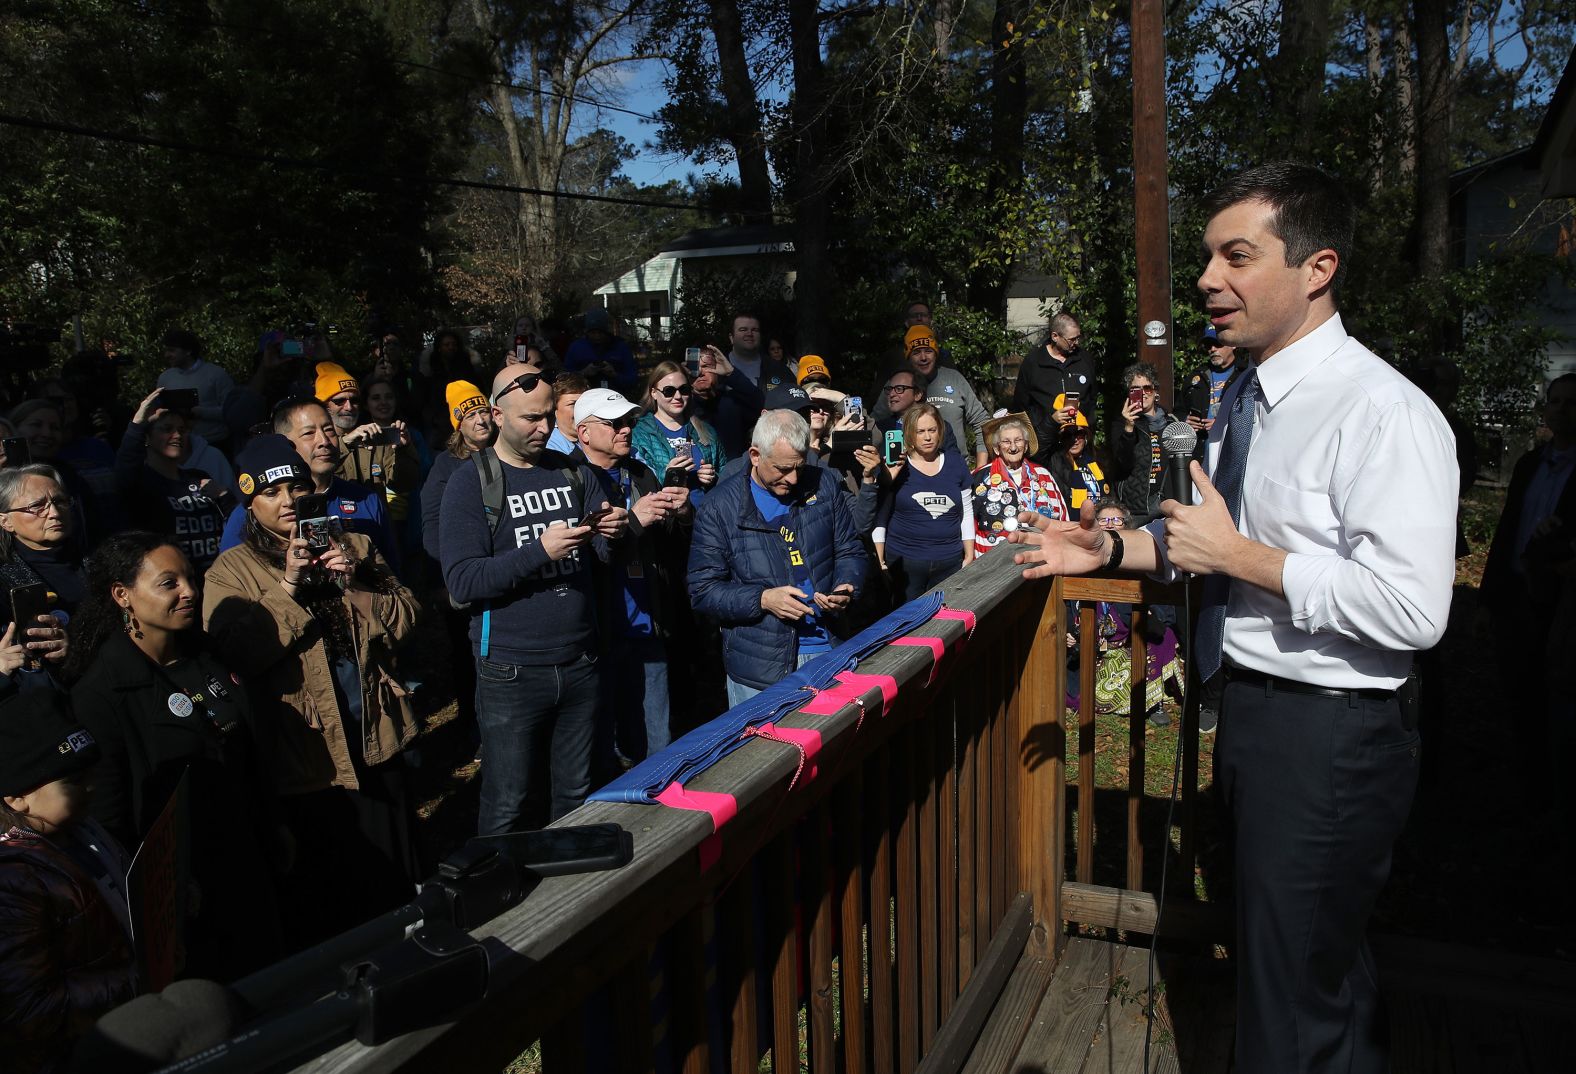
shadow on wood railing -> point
(867, 917)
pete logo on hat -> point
(75, 742)
(346, 386)
(277, 473)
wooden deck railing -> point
(865, 914)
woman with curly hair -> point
(167, 712)
(311, 627)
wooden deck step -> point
(1090, 1019)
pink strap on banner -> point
(807, 740)
(963, 616)
(721, 807)
(863, 684)
(936, 647)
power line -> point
(256, 157)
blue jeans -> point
(634, 684)
(536, 724)
(739, 693)
(914, 578)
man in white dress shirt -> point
(1326, 542)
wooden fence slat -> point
(1014, 653)
(984, 778)
(968, 909)
(1137, 720)
(852, 976)
(883, 1012)
(947, 852)
(905, 885)
(737, 951)
(1088, 659)
(564, 1043)
(818, 910)
(783, 943)
(1000, 897)
(1038, 764)
(687, 993)
(926, 849)
(631, 1014)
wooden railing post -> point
(1038, 749)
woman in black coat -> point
(168, 715)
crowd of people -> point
(210, 592)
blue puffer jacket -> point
(735, 556)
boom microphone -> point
(1178, 441)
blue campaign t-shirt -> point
(630, 576)
(1217, 388)
(680, 440)
(926, 519)
(813, 636)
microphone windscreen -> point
(156, 1030)
(1178, 439)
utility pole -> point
(1151, 202)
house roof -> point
(746, 235)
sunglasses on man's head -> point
(526, 382)
(674, 389)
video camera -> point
(414, 967)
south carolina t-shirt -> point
(927, 511)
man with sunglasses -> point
(640, 590)
(525, 575)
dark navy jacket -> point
(735, 556)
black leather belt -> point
(1258, 678)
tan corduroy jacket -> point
(279, 650)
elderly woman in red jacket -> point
(1012, 482)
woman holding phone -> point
(925, 520)
(312, 631)
(671, 440)
(41, 568)
(1137, 464)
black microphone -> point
(1178, 440)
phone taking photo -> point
(1135, 397)
(28, 602)
(892, 447)
(183, 400)
(16, 451)
(312, 525)
(692, 361)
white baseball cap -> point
(602, 403)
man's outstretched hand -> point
(1053, 548)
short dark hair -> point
(570, 384)
(751, 314)
(184, 340)
(287, 409)
(1141, 369)
(1563, 378)
(918, 300)
(1312, 211)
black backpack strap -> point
(491, 476)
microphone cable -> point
(1176, 783)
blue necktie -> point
(1231, 468)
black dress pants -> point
(1319, 789)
